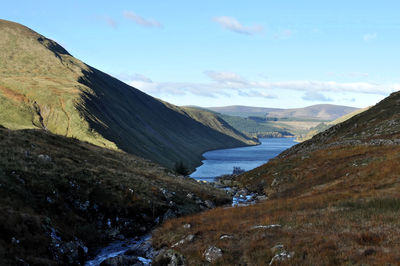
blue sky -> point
(216, 53)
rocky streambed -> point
(138, 251)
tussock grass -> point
(339, 206)
(45, 180)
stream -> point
(216, 163)
(120, 247)
(138, 245)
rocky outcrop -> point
(169, 257)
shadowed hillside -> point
(332, 200)
(60, 196)
(43, 86)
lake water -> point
(221, 162)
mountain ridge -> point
(43, 86)
(318, 111)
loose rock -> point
(212, 253)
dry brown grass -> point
(36, 193)
(339, 206)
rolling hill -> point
(318, 112)
(43, 86)
(324, 126)
(332, 200)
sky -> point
(282, 54)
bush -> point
(237, 170)
(181, 169)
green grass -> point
(374, 205)
(254, 128)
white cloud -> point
(234, 25)
(149, 23)
(349, 74)
(256, 94)
(333, 86)
(369, 36)
(226, 77)
(133, 77)
(228, 83)
(315, 96)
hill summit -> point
(43, 86)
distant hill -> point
(275, 122)
(243, 111)
(330, 200)
(319, 112)
(324, 126)
(43, 86)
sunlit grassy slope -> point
(336, 199)
(43, 86)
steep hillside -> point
(217, 123)
(332, 200)
(43, 86)
(60, 196)
(320, 112)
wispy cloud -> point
(369, 36)
(149, 23)
(232, 24)
(257, 94)
(349, 74)
(315, 97)
(228, 83)
(109, 21)
(133, 77)
(226, 77)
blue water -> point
(221, 162)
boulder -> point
(169, 257)
(209, 204)
(212, 253)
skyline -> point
(260, 53)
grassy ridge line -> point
(320, 111)
(52, 182)
(43, 86)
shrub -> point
(181, 169)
